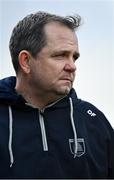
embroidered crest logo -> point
(80, 147)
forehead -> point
(60, 35)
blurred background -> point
(95, 68)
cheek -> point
(52, 70)
(48, 72)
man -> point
(45, 130)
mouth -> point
(67, 79)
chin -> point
(67, 90)
(64, 91)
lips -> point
(67, 79)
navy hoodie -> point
(67, 139)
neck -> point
(33, 97)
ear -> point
(24, 61)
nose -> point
(70, 66)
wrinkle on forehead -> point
(60, 36)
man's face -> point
(53, 71)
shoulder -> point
(90, 114)
(94, 117)
(86, 108)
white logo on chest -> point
(80, 147)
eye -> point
(59, 55)
(75, 57)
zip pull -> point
(43, 131)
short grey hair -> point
(29, 33)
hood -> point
(8, 95)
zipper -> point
(41, 120)
(43, 132)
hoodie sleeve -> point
(109, 130)
(111, 155)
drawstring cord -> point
(10, 136)
(11, 132)
(73, 127)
